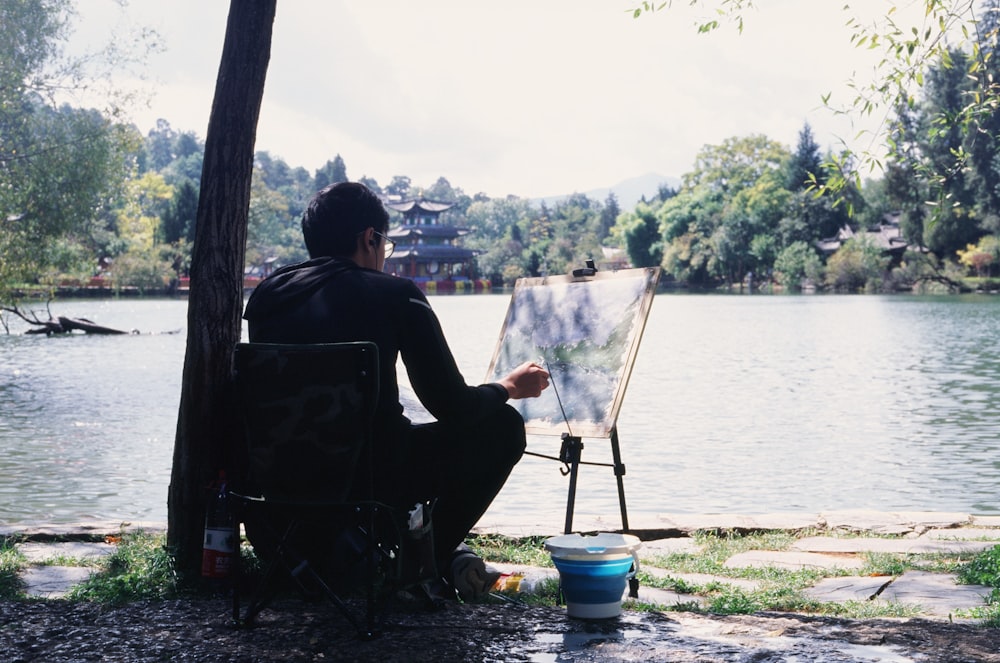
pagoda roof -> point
(405, 206)
(888, 237)
(432, 232)
(431, 252)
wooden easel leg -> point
(619, 474)
(633, 583)
(570, 455)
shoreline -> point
(660, 526)
(42, 293)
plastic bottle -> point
(220, 539)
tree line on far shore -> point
(748, 206)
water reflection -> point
(756, 405)
(736, 404)
(87, 423)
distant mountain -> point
(628, 192)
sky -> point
(532, 98)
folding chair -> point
(306, 497)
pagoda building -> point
(426, 251)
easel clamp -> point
(589, 270)
(569, 453)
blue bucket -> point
(593, 572)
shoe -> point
(470, 576)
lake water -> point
(737, 404)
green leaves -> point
(60, 166)
(983, 570)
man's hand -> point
(526, 381)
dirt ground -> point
(291, 630)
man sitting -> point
(341, 294)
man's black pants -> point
(463, 467)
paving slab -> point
(663, 547)
(964, 534)
(848, 588)
(53, 582)
(986, 521)
(830, 544)
(935, 518)
(666, 598)
(893, 522)
(515, 527)
(90, 530)
(935, 593)
(80, 550)
(792, 560)
(727, 521)
(703, 578)
(528, 524)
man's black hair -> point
(337, 214)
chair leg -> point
(262, 595)
(301, 571)
(265, 588)
(383, 563)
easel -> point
(589, 325)
(572, 448)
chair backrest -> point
(307, 411)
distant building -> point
(887, 236)
(613, 259)
(426, 251)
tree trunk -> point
(205, 421)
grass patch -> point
(140, 568)
(885, 564)
(529, 551)
(984, 569)
(11, 563)
(717, 548)
(869, 609)
(989, 615)
(63, 560)
(732, 543)
(895, 564)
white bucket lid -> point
(594, 610)
(581, 545)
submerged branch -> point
(61, 324)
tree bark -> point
(205, 422)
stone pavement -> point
(841, 541)
(60, 557)
(54, 567)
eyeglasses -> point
(390, 245)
